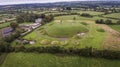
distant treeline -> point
(108, 21)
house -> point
(6, 31)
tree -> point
(68, 8)
(108, 21)
(14, 25)
(4, 46)
(86, 15)
(101, 21)
(118, 22)
(74, 18)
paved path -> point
(112, 40)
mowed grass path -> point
(50, 60)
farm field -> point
(51, 60)
(80, 18)
(91, 12)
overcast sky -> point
(5, 2)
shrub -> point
(108, 22)
(118, 22)
(100, 30)
(45, 42)
(86, 15)
(101, 21)
(55, 42)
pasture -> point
(94, 13)
(51, 60)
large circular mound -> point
(65, 29)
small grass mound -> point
(100, 30)
(66, 29)
(55, 42)
(63, 43)
(84, 23)
(45, 42)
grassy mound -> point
(67, 29)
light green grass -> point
(49, 60)
(65, 29)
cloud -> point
(3, 2)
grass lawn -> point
(50, 60)
(65, 29)
(115, 27)
(5, 24)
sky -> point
(6, 2)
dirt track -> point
(112, 40)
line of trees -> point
(31, 17)
(101, 21)
(87, 52)
(86, 15)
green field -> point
(113, 15)
(65, 29)
(50, 60)
(3, 25)
(80, 18)
(115, 27)
(91, 12)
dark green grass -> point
(115, 27)
(49, 60)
